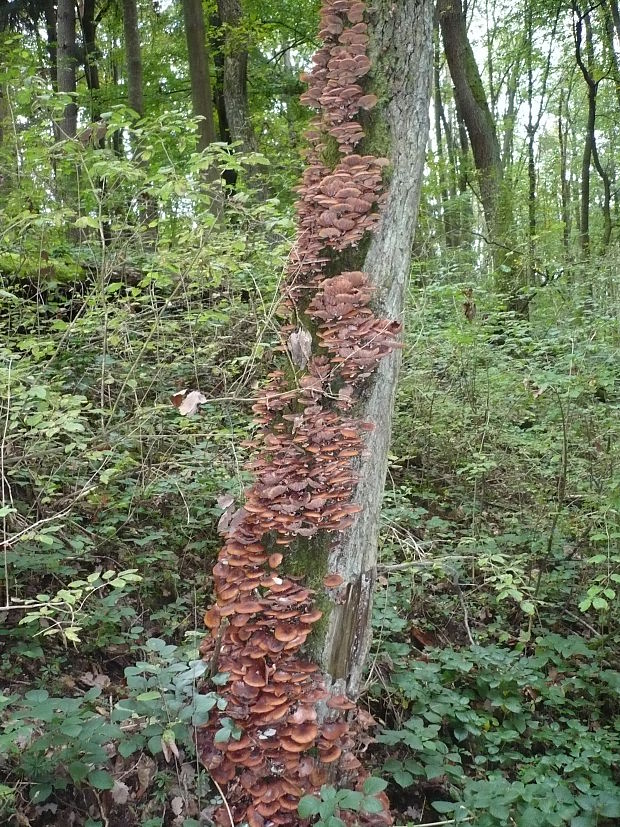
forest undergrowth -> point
(129, 351)
(494, 677)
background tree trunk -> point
(66, 65)
(472, 105)
(199, 71)
(133, 57)
(235, 80)
(49, 13)
(402, 56)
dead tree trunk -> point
(324, 424)
(401, 49)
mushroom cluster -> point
(307, 446)
(336, 209)
(338, 65)
(337, 205)
(350, 331)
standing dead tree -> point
(299, 562)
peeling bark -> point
(402, 54)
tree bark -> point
(235, 76)
(199, 71)
(446, 172)
(133, 57)
(402, 55)
(472, 105)
(66, 65)
(564, 181)
(91, 70)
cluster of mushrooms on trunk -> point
(306, 448)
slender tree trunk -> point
(590, 152)
(510, 117)
(66, 65)
(584, 212)
(91, 69)
(133, 57)
(199, 71)
(217, 43)
(49, 13)
(531, 136)
(235, 85)
(564, 181)
(447, 202)
(608, 28)
(473, 107)
(8, 159)
(615, 14)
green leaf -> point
(445, 806)
(350, 799)
(374, 785)
(86, 221)
(371, 805)
(78, 771)
(333, 821)
(609, 805)
(403, 778)
(222, 735)
(308, 806)
(101, 780)
(151, 695)
(128, 747)
(40, 792)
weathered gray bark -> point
(66, 65)
(402, 57)
(133, 56)
(199, 71)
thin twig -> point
(223, 797)
(457, 585)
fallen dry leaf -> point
(188, 402)
(120, 792)
(300, 347)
